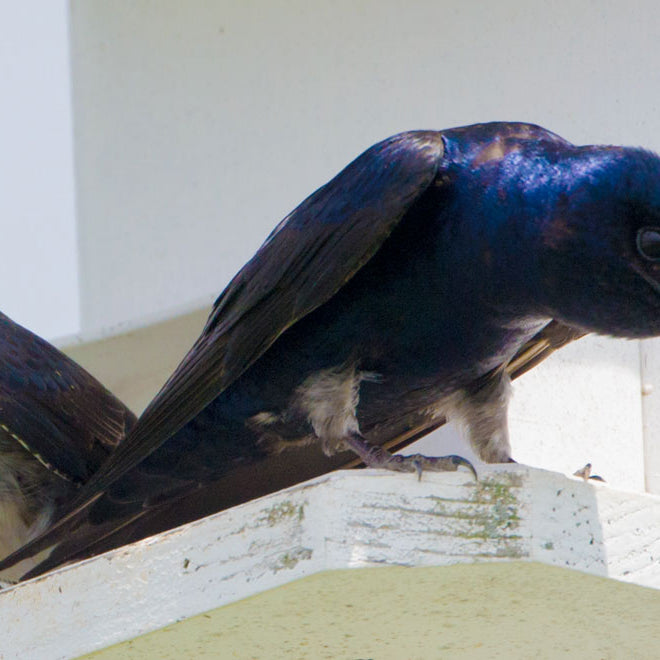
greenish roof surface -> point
(489, 610)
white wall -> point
(38, 266)
(200, 124)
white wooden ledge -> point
(342, 520)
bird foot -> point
(585, 473)
(377, 457)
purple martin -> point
(405, 291)
(58, 424)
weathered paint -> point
(346, 519)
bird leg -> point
(481, 414)
(376, 457)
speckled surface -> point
(490, 610)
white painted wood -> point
(650, 393)
(345, 519)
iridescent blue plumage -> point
(401, 293)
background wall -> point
(199, 125)
(38, 263)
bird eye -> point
(648, 243)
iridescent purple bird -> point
(404, 292)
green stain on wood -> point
(283, 511)
(291, 559)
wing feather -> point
(54, 408)
(77, 535)
(309, 256)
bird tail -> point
(63, 527)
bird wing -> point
(81, 536)
(309, 256)
(52, 407)
(303, 263)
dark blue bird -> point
(403, 292)
(58, 424)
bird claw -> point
(585, 473)
(377, 457)
(419, 463)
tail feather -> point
(84, 541)
(49, 537)
(104, 522)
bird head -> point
(599, 247)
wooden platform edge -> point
(341, 520)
